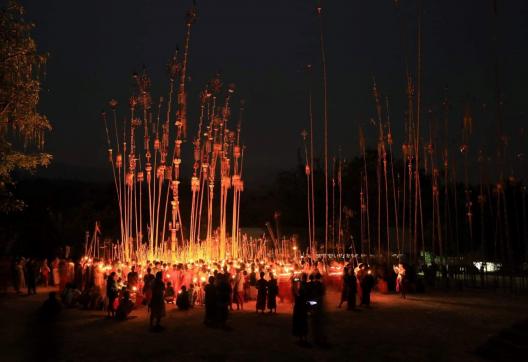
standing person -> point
(45, 272)
(300, 311)
(294, 287)
(252, 277)
(63, 274)
(78, 277)
(367, 283)
(273, 290)
(187, 276)
(111, 294)
(252, 283)
(239, 290)
(262, 286)
(351, 285)
(360, 272)
(148, 279)
(99, 276)
(132, 278)
(21, 270)
(31, 277)
(157, 302)
(210, 302)
(401, 280)
(55, 271)
(193, 295)
(177, 277)
(89, 276)
(246, 285)
(228, 278)
(223, 299)
(344, 290)
(317, 310)
(233, 296)
(70, 271)
(15, 278)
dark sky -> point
(262, 46)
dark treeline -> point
(59, 212)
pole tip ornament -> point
(192, 15)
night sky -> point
(262, 47)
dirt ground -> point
(428, 327)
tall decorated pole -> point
(238, 185)
(181, 129)
(197, 171)
(319, 11)
(173, 69)
(225, 170)
(307, 171)
(148, 181)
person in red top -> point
(44, 272)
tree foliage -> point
(22, 127)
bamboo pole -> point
(325, 118)
(395, 200)
(362, 145)
(313, 242)
(307, 170)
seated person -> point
(96, 299)
(125, 307)
(169, 294)
(182, 302)
(50, 309)
(70, 295)
(84, 298)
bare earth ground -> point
(428, 327)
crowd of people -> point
(24, 274)
(117, 288)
